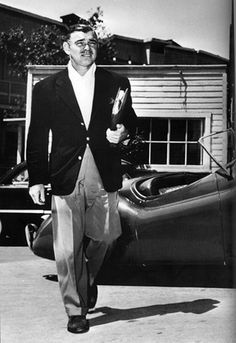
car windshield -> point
(227, 138)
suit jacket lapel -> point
(65, 90)
(100, 92)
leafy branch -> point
(44, 45)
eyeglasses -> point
(82, 43)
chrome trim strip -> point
(27, 211)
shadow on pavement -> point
(110, 315)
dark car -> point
(17, 209)
(168, 218)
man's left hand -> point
(118, 135)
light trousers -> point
(89, 211)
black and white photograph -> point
(117, 171)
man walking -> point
(83, 168)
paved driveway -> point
(32, 311)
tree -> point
(44, 45)
(106, 50)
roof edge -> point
(29, 14)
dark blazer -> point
(55, 108)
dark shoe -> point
(78, 324)
(92, 296)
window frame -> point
(206, 117)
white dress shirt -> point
(84, 90)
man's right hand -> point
(37, 193)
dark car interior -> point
(166, 183)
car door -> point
(182, 226)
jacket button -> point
(87, 138)
(80, 158)
(82, 124)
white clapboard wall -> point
(168, 91)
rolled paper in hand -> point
(118, 108)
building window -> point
(171, 141)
